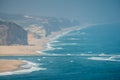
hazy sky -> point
(75, 9)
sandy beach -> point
(10, 65)
(34, 46)
(19, 50)
(22, 50)
(31, 49)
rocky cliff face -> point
(12, 34)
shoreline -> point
(18, 67)
(35, 45)
(38, 46)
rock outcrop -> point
(12, 34)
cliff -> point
(12, 34)
(40, 25)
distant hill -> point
(49, 24)
(12, 34)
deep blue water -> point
(92, 53)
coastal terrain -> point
(30, 43)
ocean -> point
(91, 53)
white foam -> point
(63, 44)
(39, 51)
(27, 68)
(82, 33)
(62, 33)
(71, 61)
(52, 54)
(59, 48)
(83, 54)
(43, 57)
(38, 59)
(104, 58)
(99, 58)
(55, 41)
(102, 54)
(73, 39)
(49, 46)
(68, 54)
(88, 54)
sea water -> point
(91, 53)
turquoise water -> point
(92, 53)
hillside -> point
(46, 24)
(12, 34)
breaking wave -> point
(24, 69)
(105, 58)
(100, 57)
(82, 54)
(64, 44)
